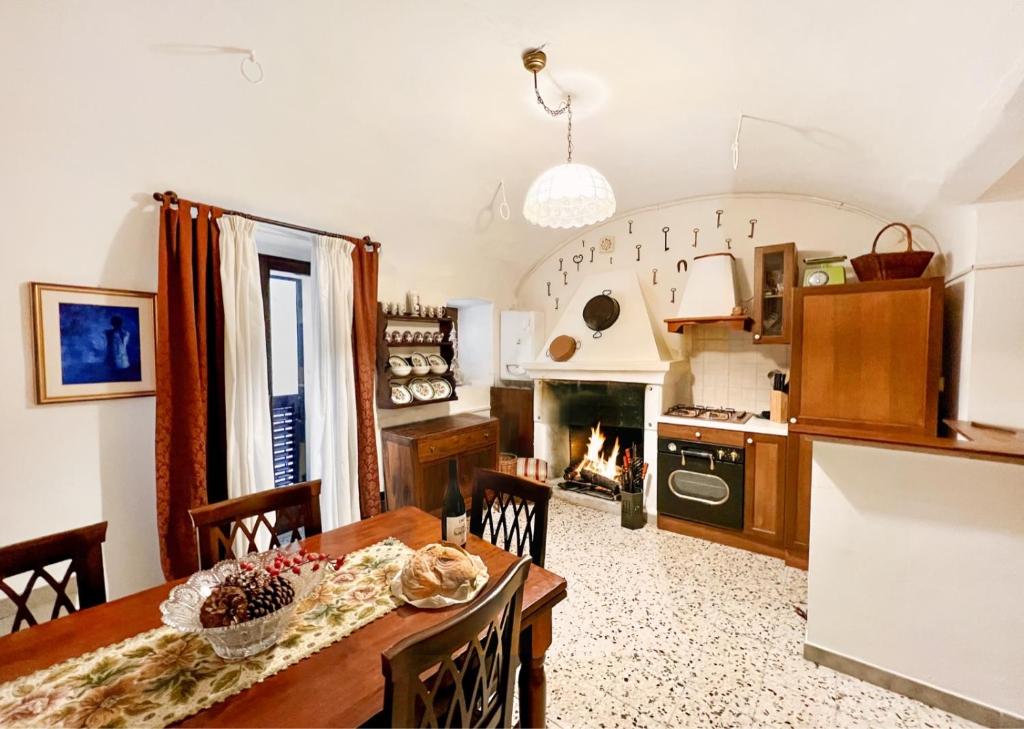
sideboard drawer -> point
(446, 446)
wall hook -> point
(695, 232)
(654, 274)
(549, 288)
(577, 259)
(591, 254)
(630, 226)
(565, 278)
(681, 263)
(638, 251)
(673, 295)
(753, 222)
(665, 231)
(559, 264)
(728, 244)
(718, 220)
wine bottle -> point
(453, 509)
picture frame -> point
(93, 343)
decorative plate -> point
(400, 395)
(436, 359)
(442, 388)
(396, 361)
(418, 359)
(421, 389)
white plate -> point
(396, 361)
(400, 395)
(466, 593)
(442, 388)
(436, 359)
(421, 389)
(418, 359)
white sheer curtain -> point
(330, 383)
(249, 439)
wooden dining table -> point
(341, 685)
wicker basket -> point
(507, 463)
(886, 266)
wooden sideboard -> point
(416, 458)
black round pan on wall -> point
(601, 312)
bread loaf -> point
(437, 569)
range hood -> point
(710, 295)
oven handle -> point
(697, 454)
(688, 497)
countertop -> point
(754, 425)
(967, 440)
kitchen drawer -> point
(446, 446)
(701, 435)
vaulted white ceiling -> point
(400, 118)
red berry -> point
(316, 566)
(297, 570)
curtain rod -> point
(172, 198)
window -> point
(285, 288)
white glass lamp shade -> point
(569, 196)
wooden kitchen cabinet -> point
(798, 501)
(764, 486)
(867, 356)
(416, 458)
(775, 275)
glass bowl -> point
(234, 642)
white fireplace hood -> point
(629, 351)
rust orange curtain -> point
(190, 427)
(365, 265)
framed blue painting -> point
(93, 344)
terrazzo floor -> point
(662, 630)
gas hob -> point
(703, 412)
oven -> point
(701, 482)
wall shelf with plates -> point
(403, 379)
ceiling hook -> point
(248, 73)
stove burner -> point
(704, 412)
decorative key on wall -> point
(591, 254)
(654, 276)
(565, 278)
(695, 232)
(673, 289)
(549, 288)
(559, 264)
(728, 244)
(577, 259)
(665, 232)
(630, 226)
(718, 218)
(638, 246)
(556, 303)
(753, 222)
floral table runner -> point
(163, 676)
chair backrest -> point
(462, 672)
(510, 512)
(83, 547)
(235, 522)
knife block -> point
(779, 406)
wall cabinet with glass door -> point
(774, 282)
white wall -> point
(918, 568)
(727, 369)
(101, 108)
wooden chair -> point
(510, 512)
(219, 525)
(83, 547)
(462, 672)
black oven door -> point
(694, 485)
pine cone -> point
(264, 593)
(226, 605)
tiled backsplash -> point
(730, 370)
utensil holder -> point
(633, 515)
(779, 406)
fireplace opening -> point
(592, 424)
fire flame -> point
(597, 463)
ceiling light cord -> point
(736, 143)
(565, 108)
